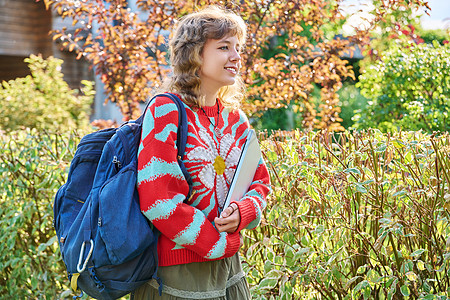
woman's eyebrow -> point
(226, 41)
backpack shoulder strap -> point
(182, 124)
(182, 133)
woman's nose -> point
(235, 56)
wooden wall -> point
(24, 27)
(24, 30)
(12, 67)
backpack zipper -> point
(117, 162)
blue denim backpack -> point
(107, 244)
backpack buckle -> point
(81, 267)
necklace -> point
(216, 129)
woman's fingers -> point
(229, 220)
(229, 210)
(226, 224)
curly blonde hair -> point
(186, 47)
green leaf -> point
(408, 157)
(363, 284)
(333, 257)
(406, 267)
(368, 181)
(268, 283)
(50, 242)
(373, 276)
(381, 148)
(34, 283)
(361, 269)
(300, 252)
(404, 289)
(360, 188)
(303, 207)
(417, 253)
(366, 292)
(270, 279)
(287, 291)
(351, 281)
(352, 170)
(312, 192)
(398, 144)
(267, 266)
(411, 276)
(319, 229)
(66, 294)
(390, 294)
(426, 287)
(289, 255)
(399, 193)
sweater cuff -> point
(234, 243)
(247, 212)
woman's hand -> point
(229, 219)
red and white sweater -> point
(187, 230)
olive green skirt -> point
(221, 279)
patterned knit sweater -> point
(187, 227)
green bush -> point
(33, 165)
(43, 99)
(351, 101)
(285, 118)
(354, 217)
(409, 89)
(430, 35)
(351, 216)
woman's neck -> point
(210, 101)
(210, 97)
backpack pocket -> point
(71, 197)
(81, 174)
(123, 228)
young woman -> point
(199, 241)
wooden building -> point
(24, 30)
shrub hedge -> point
(351, 216)
(33, 165)
(354, 216)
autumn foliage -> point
(287, 54)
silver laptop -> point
(245, 170)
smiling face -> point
(203, 68)
(221, 62)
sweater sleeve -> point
(162, 188)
